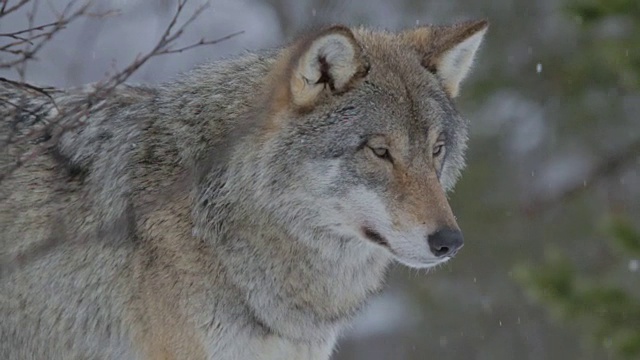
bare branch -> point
(27, 46)
(35, 28)
(72, 116)
(163, 47)
(4, 10)
(202, 42)
(41, 90)
(607, 166)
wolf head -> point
(361, 139)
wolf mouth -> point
(375, 236)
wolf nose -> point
(445, 242)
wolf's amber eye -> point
(382, 153)
(437, 149)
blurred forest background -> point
(550, 201)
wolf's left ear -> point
(328, 62)
(448, 51)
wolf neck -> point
(297, 291)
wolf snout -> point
(445, 242)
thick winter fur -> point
(245, 211)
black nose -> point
(445, 242)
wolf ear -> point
(448, 50)
(332, 60)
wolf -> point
(245, 210)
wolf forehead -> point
(394, 64)
(398, 93)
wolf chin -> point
(246, 210)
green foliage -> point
(605, 303)
(627, 239)
(613, 55)
(594, 10)
(611, 314)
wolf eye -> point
(381, 152)
(437, 149)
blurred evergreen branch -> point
(605, 305)
(609, 313)
(627, 238)
(594, 10)
(614, 56)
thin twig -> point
(202, 42)
(35, 28)
(31, 49)
(40, 90)
(4, 11)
